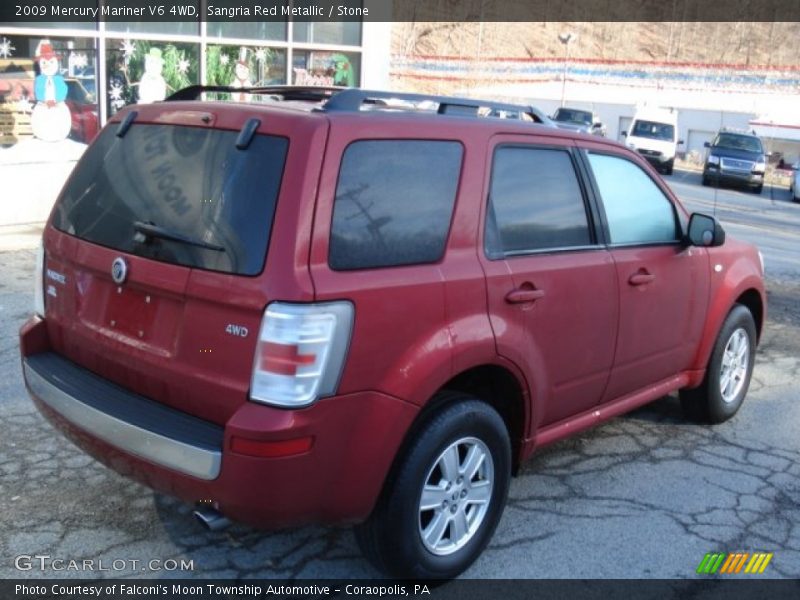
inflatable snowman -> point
(51, 120)
(241, 74)
(152, 87)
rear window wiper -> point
(153, 230)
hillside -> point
(753, 44)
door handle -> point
(641, 278)
(522, 295)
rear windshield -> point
(653, 130)
(138, 193)
(568, 115)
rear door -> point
(663, 284)
(551, 283)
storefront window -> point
(248, 31)
(315, 67)
(48, 89)
(245, 66)
(140, 71)
(165, 28)
(344, 34)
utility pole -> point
(565, 38)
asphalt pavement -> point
(646, 495)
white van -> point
(654, 134)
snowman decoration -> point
(51, 120)
(153, 86)
(241, 74)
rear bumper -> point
(132, 423)
(355, 440)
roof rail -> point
(352, 99)
(339, 99)
(285, 92)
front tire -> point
(758, 189)
(669, 167)
(440, 506)
(729, 370)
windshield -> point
(732, 141)
(190, 182)
(653, 130)
(570, 115)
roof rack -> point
(284, 92)
(339, 99)
(352, 99)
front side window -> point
(535, 203)
(394, 202)
(636, 209)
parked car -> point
(735, 157)
(83, 108)
(654, 134)
(302, 311)
(794, 187)
(576, 119)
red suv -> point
(331, 307)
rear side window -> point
(535, 203)
(186, 182)
(394, 202)
(637, 211)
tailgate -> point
(154, 261)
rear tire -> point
(438, 534)
(728, 374)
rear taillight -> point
(38, 288)
(300, 353)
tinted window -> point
(393, 203)
(637, 211)
(535, 202)
(189, 181)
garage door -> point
(695, 143)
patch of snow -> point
(38, 151)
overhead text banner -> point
(31, 12)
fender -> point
(740, 273)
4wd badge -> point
(119, 270)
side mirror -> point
(707, 144)
(680, 142)
(705, 231)
(624, 134)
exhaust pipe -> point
(211, 519)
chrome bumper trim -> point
(161, 450)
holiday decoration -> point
(6, 49)
(241, 72)
(51, 119)
(153, 86)
(343, 71)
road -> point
(770, 220)
(644, 496)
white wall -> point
(375, 60)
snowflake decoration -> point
(261, 54)
(6, 49)
(79, 61)
(224, 59)
(183, 66)
(24, 105)
(128, 48)
(115, 94)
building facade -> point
(100, 67)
